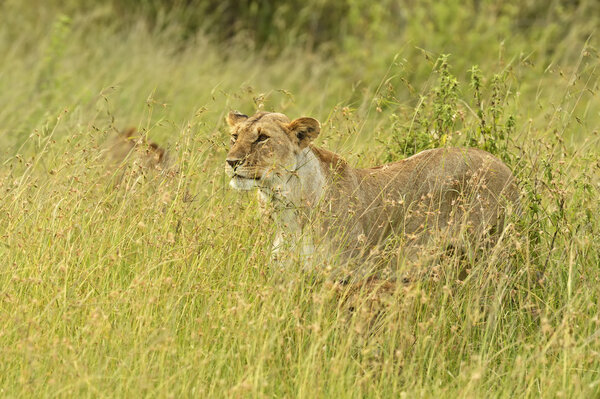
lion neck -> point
(299, 188)
(292, 198)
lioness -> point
(131, 143)
(326, 207)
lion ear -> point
(305, 130)
(235, 117)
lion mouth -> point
(236, 176)
(244, 183)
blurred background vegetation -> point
(355, 53)
(318, 24)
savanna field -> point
(124, 280)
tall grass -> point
(131, 282)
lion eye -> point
(261, 138)
(234, 137)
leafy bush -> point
(440, 119)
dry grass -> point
(162, 286)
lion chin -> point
(242, 184)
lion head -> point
(131, 144)
(265, 147)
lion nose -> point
(234, 162)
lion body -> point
(130, 144)
(320, 202)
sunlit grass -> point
(135, 282)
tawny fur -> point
(129, 143)
(325, 207)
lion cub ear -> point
(235, 117)
(305, 130)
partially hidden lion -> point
(327, 209)
(131, 144)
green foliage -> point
(438, 114)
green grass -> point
(121, 283)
